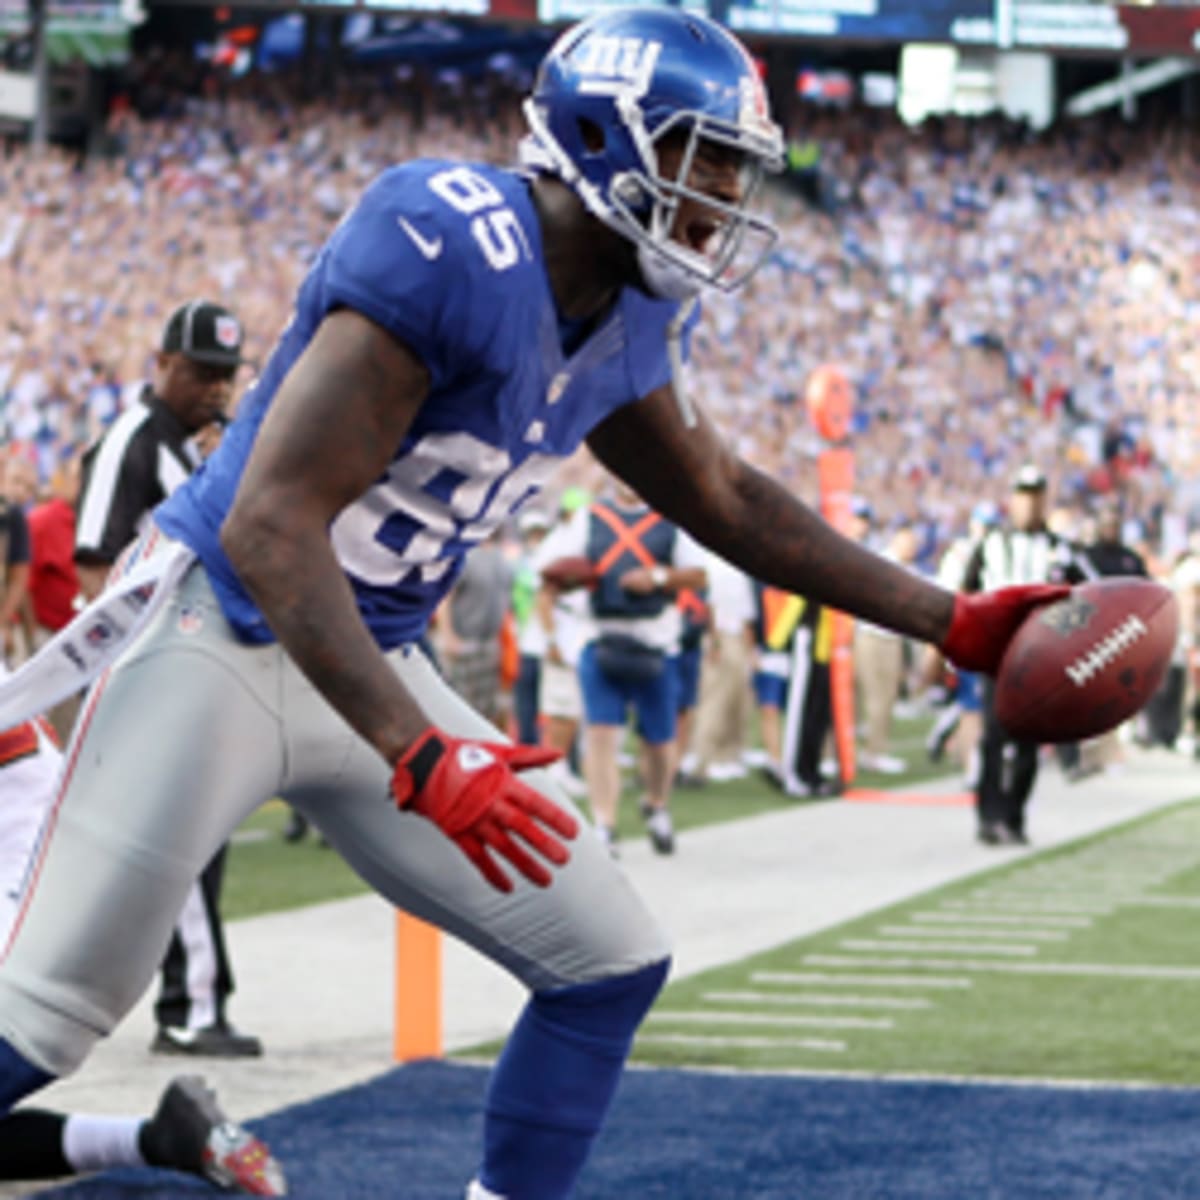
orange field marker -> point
(417, 1029)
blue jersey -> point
(448, 258)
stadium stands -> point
(993, 295)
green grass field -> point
(266, 874)
(1079, 963)
(1075, 964)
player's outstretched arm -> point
(329, 434)
(692, 478)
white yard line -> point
(992, 918)
(739, 1043)
(1067, 876)
(888, 945)
(1032, 902)
(841, 979)
(723, 1017)
(1074, 893)
(818, 1000)
(1036, 935)
(1080, 970)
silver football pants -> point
(189, 733)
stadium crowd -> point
(995, 296)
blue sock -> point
(18, 1077)
(552, 1087)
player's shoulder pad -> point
(455, 240)
(473, 216)
(394, 229)
(434, 250)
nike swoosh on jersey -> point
(429, 247)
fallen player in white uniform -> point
(188, 1131)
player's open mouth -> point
(697, 234)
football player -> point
(462, 331)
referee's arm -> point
(1073, 564)
(972, 580)
(120, 485)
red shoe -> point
(189, 1132)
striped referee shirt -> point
(142, 458)
(1009, 556)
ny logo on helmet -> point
(753, 112)
(612, 65)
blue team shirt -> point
(447, 257)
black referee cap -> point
(206, 333)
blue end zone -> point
(413, 1134)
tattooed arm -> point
(690, 477)
(330, 433)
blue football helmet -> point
(607, 94)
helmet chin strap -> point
(665, 270)
(664, 277)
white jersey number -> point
(471, 513)
(494, 225)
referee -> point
(150, 449)
(1022, 551)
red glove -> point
(984, 622)
(471, 792)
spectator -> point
(469, 629)
(642, 562)
(960, 720)
(14, 556)
(693, 619)
(776, 619)
(532, 525)
(725, 683)
(991, 334)
(564, 618)
(1185, 582)
(808, 717)
(1109, 556)
(879, 666)
(53, 580)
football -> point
(573, 571)
(1080, 667)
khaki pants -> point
(1100, 752)
(879, 667)
(724, 701)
